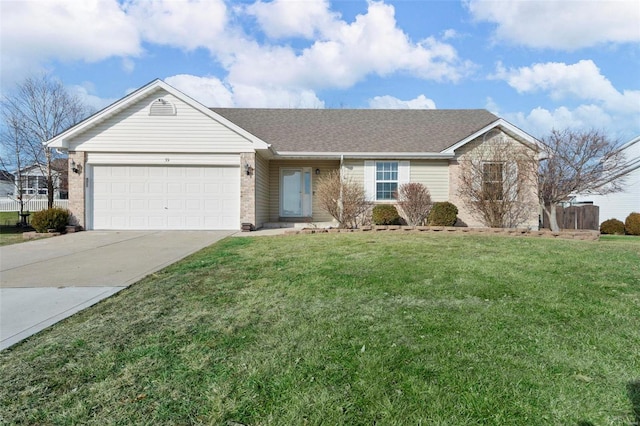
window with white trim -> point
(386, 180)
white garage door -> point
(154, 197)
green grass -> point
(366, 328)
(9, 233)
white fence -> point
(33, 205)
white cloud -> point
(212, 92)
(540, 121)
(86, 93)
(283, 18)
(449, 34)
(338, 53)
(581, 80)
(390, 102)
(186, 24)
(209, 91)
(561, 24)
(345, 54)
(275, 97)
(34, 32)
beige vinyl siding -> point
(433, 174)
(319, 215)
(354, 170)
(134, 130)
(262, 191)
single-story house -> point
(158, 159)
(6, 183)
(32, 179)
(618, 205)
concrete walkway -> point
(44, 281)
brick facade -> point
(77, 188)
(248, 189)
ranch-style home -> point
(158, 159)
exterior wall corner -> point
(248, 189)
(77, 188)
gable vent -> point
(162, 107)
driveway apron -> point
(44, 281)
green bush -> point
(612, 226)
(632, 224)
(54, 218)
(385, 214)
(443, 214)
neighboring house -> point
(34, 179)
(618, 205)
(157, 159)
(6, 184)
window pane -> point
(492, 181)
(386, 190)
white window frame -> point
(381, 181)
(370, 175)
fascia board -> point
(506, 126)
(61, 141)
(338, 155)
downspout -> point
(340, 205)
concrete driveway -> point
(44, 281)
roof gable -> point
(156, 86)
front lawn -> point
(9, 232)
(366, 328)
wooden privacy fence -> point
(33, 205)
(576, 217)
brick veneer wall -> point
(77, 188)
(248, 189)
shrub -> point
(344, 199)
(54, 218)
(415, 201)
(612, 226)
(385, 214)
(443, 214)
(632, 224)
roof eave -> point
(363, 155)
(61, 141)
(514, 131)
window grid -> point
(386, 180)
(492, 179)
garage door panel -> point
(137, 188)
(175, 188)
(157, 172)
(151, 197)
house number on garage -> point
(166, 160)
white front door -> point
(295, 192)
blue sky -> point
(538, 64)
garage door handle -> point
(166, 208)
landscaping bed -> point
(514, 232)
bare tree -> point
(13, 143)
(342, 198)
(578, 161)
(40, 108)
(414, 200)
(497, 182)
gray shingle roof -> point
(359, 130)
